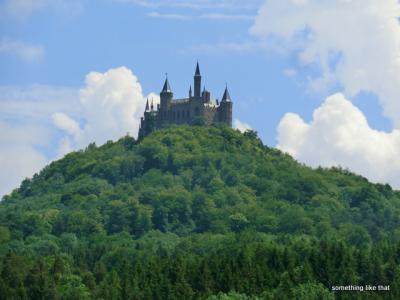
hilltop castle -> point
(198, 106)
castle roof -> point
(197, 70)
(167, 87)
(226, 96)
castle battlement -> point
(198, 105)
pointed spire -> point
(190, 91)
(226, 96)
(147, 105)
(166, 87)
(197, 82)
(152, 104)
(197, 73)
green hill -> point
(196, 212)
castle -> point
(197, 107)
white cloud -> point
(111, 103)
(170, 16)
(64, 147)
(41, 123)
(241, 126)
(290, 73)
(222, 48)
(64, 122)
(356, 44)
(22, 9)
(197, 4)
(339, 134)
(37, 102)
(26, 52)
(26, 131)
(226, 17)
(210, 16)
(19, 157)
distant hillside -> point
(196, 212)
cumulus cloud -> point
(111, 103)
(355, 44)
(41, 123)
(339, 134)
(26, 52)
(241, 126)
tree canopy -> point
(196, 212)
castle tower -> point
(225, 108)
(226, 97)
(166, 96)
(197, 82)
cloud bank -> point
(339, 134)
(355, 44)
(348, 46)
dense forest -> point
(196, 212)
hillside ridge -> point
(186, 202)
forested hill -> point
(196, 212)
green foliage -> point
(196, 212)
(231, 296)
(239, 222)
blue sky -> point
(106, 34)
(278, 57)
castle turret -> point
(166, 87)
(197, 82)
(147, 105)
(225, 108)
(166, 96)
(190, 91)
(226, 97)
